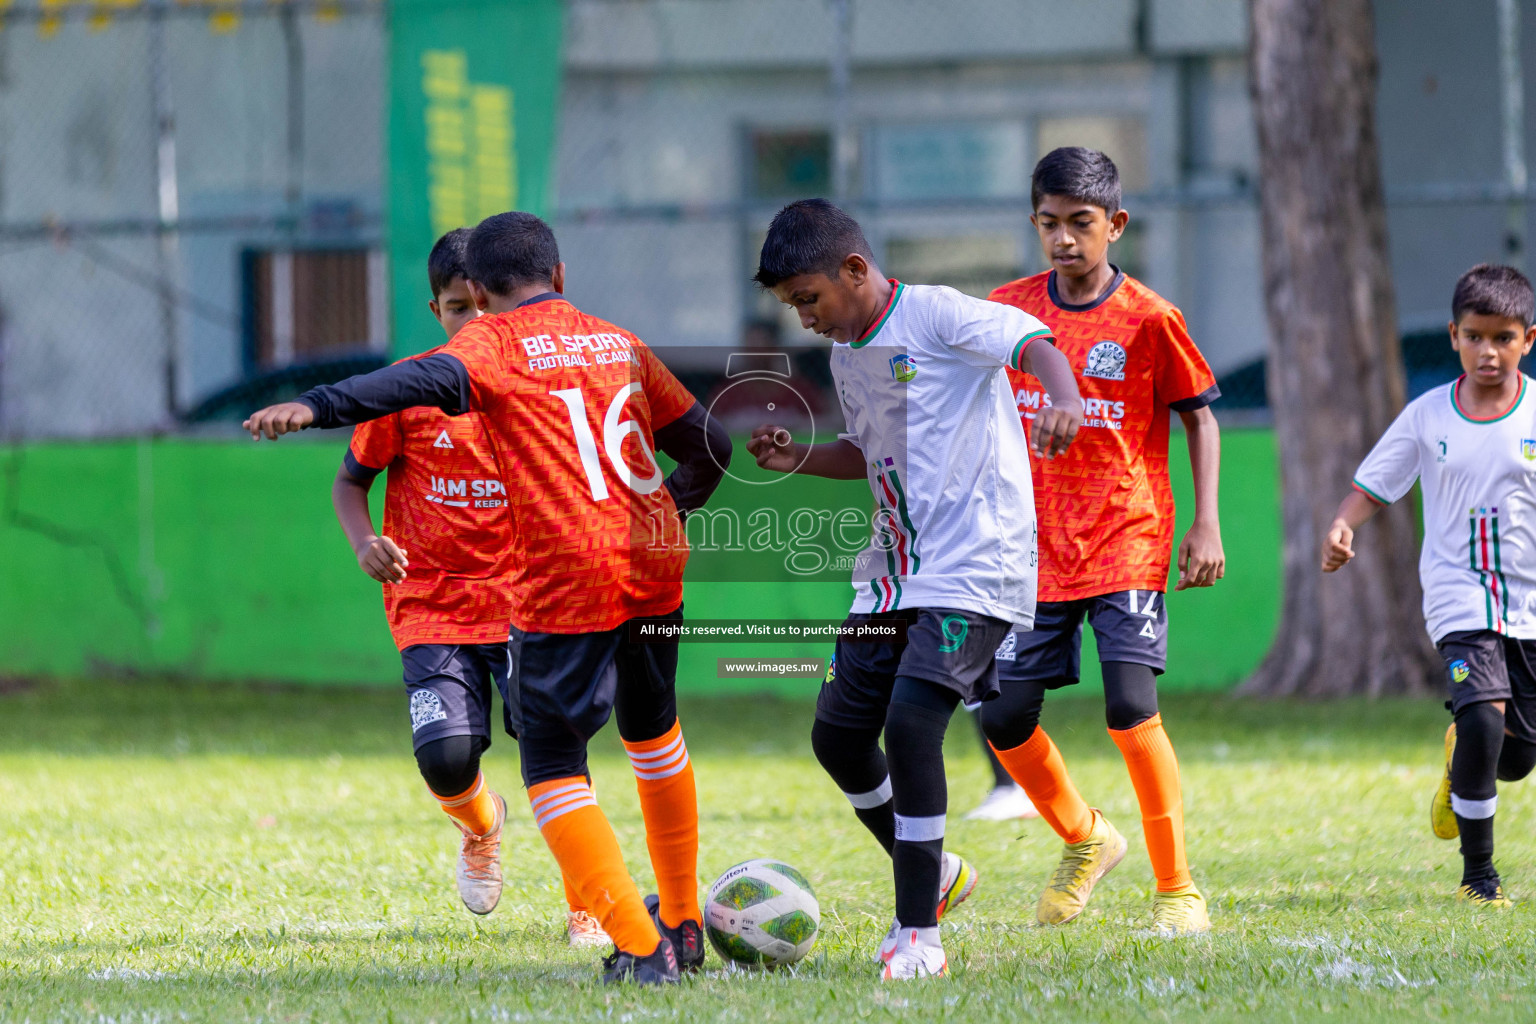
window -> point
(1123, 138)
(951, 161)
(974, 264)
(312, 305)
(790, 164)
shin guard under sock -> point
(852, 757)
(1474, 784)
(669, 803)
(915, 735)
(1036, 765)
(584, 846)
(1155, 776)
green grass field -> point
(173, 853)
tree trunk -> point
(1335, 364)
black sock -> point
(1476, 848)
(914, 734)
(857, 765)
(1474, 786)
(1516, 759)
(1000, 776)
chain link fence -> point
(191, 197)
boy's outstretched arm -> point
(1056, 426)
(377, 556)
(1201, 559)
(774, 449)
(437, 380)
(1338, 547)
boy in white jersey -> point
(931, 425)
(1472, 444)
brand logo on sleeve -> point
(903, 367)
(1106, 360)
(1460, 670)
(443, 441)
(1528, 449)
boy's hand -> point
(1055, 427)
(380, 558)
(774, 448)
(285, 418)
(1338, 549)
(1201, 559)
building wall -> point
(656, 208)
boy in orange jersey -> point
(1106, 530)
(443, 558)
(576, 408)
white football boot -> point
(479, 870)
(1005, 803)
(917, 954)
(957, 880)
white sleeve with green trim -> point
(985, 333)
(1391, 468)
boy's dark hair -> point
(1077, 173)
(446, 260)
(810, 236)
(1491, 289)
(511, 250)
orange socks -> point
(588, 854)
(475, 808)
(670, 806)
(572, 897)
(1036, 765)
(1155, 775)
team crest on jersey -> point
(1528, 449)
(1106, 360)
(443, 441)
(831, 670)
(1008, 650)
(426, 708)
(903, 367)
(1460, 670)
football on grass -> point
(762, 913)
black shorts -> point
(1128, 625)
(1482, 665)
(564, 687)
(951, 648)
(449, 687)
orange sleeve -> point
(664, 393)
(1182, 380)
(377, 443)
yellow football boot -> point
(1488, 892)
(1180, 912)
(1441, 818)
(1082, 865)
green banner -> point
(474, 86)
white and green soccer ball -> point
(762, 913)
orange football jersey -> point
(571, 403)
(446, 506)
(1106, 507)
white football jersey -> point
(926, 398)
(1478, 565)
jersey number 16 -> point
(614, 432)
